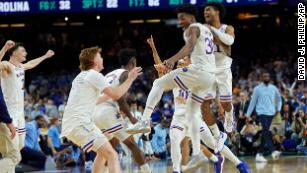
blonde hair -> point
(87, 56)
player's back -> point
(113, 79)
(13, 90)
(83, 95)
(222, 53)
(202, 56)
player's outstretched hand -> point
(9, 44)
(49, 53)
(160, 68)
(151, 42)
(134, 73)
(169, 63)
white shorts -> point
(110, 122)
(224, 85)
(88, 137)
(199, 82)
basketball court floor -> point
(286, 164)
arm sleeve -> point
(252, 103)
(97, 80)
(4, 114)
(224, 37)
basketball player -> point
(77, 124)
(10, 155)
(13, 90)
(205, 136)
(107, 114)
(181, 128)
(223, 39)
(199, 45)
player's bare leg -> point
(185, 150)
(209, 118)
(137, 154)
(106, 153)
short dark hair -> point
(39, 117)
(125, 55)
(264, 71)
(15, 47)
(188, 8)
(219, 7)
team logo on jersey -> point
(184, 69)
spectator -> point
(70, 156)
(267, 100)
(51, 109)
(31, 153)
(249, 136)
(159, 140)
(54, 139)
(240, 110)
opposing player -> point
(199, 45)
(107, 114)
(223, 39)
(13, 88)
(77, 124)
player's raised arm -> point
(226, 38)
(35, 62)
(155, 53)
(192, 35)
(9, 44)
(158, 63)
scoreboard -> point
(80, 6)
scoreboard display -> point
(80, 6)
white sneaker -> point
(260, 158)
(139, 127)
(194, 164)
(275, 155)
(219, 142)
(229, 123)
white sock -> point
(145, 168)
(213, 158)
(230, 156)
(153, 98)
(215, 130)
(176, 137)
(230, 113)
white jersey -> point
(222, 59)
(202, 56)
(13, 91)
(113, 80)
(180, 99)
(83, 95)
